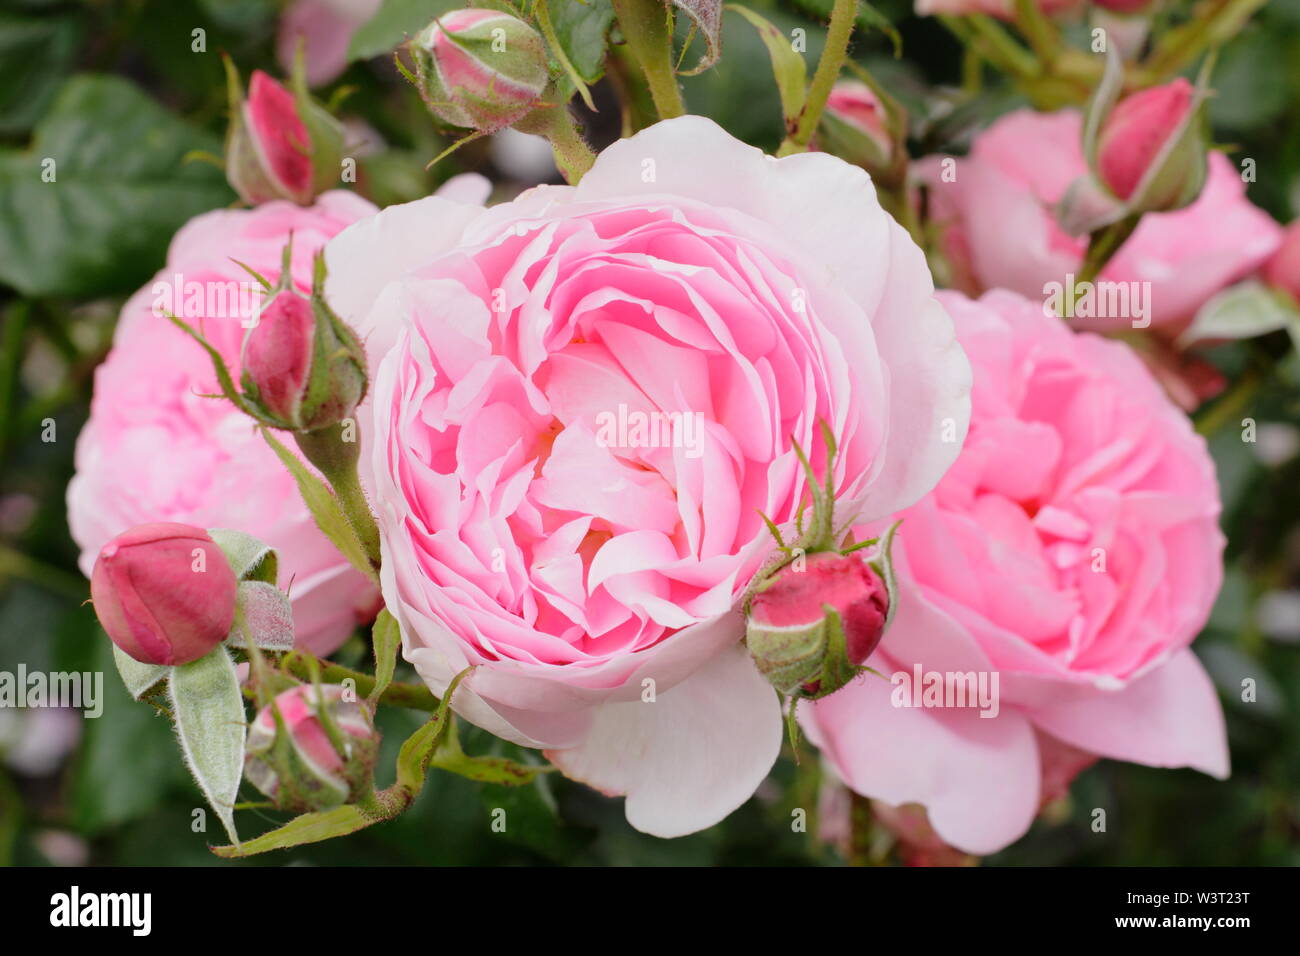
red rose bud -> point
(302, 366)
(1282, 271)
(855, 126)
(165, 593)
(480, 69)
(1152, 139)
(281, 144)
(811, 628)
(320, 756)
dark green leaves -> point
(90, 208)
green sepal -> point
(250, 559)
(138, 676)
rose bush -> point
(1073, 550)
(590, 573)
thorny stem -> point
(645, 25)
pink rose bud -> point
(1152, 139)
(480, 69)
(302, 366)
(281, 144)
(812, 625)
(855, 126)
(165, 593)
(1282, 271)
(323, 758)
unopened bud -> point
(281, 144)
(480, 69)
(855, 127)
(164, 593)
(302, 366)
(1151, 150)
(320, 755)
(812, 624)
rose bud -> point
(855, 127)
(480, 69)
(302, 366)
(1152, 140)
(1282, 271)
(811, 626)
(165, 593)
(320, 755)
(281, 144)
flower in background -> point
(1282, 271)
(1066, 561)
(996, 208)
(590, 572)
(324, 28)
(157, 447)
(1003, 9)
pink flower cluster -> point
(583, 403)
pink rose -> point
(1071, 555)
(541, 518)
(155, 449)
(325, 29)
(1001, 207)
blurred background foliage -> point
(114, 89)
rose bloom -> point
(1073, 551)
(535, 528)
(156, 448)
(1000, 231)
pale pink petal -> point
(689, 758)
(1169, 718)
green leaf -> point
(308, 828)
(208, 709)
(35, 54)
(138, 677)
(418, 749)
(324, 507)
(393, 24)
(387, 638)
(250, 559)
(560, 53)
(119, 191)
(1242, 311)
(582, 29)
(788, 66)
